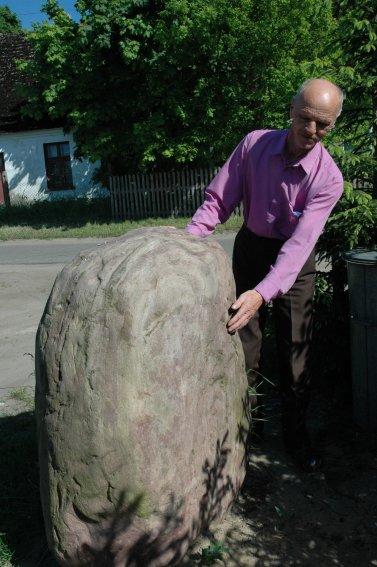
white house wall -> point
(25, 166)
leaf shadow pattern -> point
(217, 485)
(125, 541)
(244, 428)
(142, 548)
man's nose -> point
(311, 127)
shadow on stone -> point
(21, 519)
(168, 543)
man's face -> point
(311, 120)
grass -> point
(5, 552)
(79, 218)
(210, 555)
(23, 396)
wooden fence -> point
(164, 194)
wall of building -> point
(25, 167)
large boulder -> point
(140, 400)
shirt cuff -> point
(194, 230)
(267, 289)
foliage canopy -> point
(149, 84)
(166, 82)
(9, 22)
(353, 51)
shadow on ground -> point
(46, 214)
(21, 522)
(72, 213)
(287, 518)
(281, 517)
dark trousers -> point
(252, 257)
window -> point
(58, 166)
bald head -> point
(320, 93)
(314, 111)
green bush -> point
(353, 224)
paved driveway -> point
(27, 272)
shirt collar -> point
(307, 161)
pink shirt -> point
(286, 200)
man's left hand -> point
(247, 305)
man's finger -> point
(235, 325)
(238, 326)
(240, 313)
(237, 304)
(241, 322)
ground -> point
(284, 517)
(281, 517)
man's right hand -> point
(246, 305)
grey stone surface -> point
(27, 271)
(139, 400)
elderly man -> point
(288, 184)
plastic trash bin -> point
(362, 282)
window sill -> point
(54, 189)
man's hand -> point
(247, 305)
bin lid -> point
(361, 256)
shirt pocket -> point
(282, 218)
(289, 221)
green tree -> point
(9, 22)
(353, 65)
(353, 224)
(355, 68)
(156, 83)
